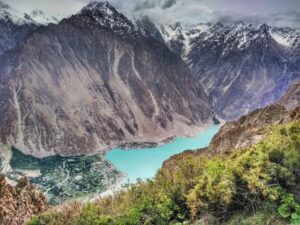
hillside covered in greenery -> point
(253, 185)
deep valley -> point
(149, 112)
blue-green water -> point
(144, 163)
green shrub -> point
(91, 215)
(198, 185)
(35, 221)
(249, 177)
(290, 209)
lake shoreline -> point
(162, 150)
(144, 162)
(146, 142)
(119, 185)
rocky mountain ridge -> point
(16, 27)
(36, 17)
(7, 13)
(222, 57)
(43, 18)
(242, 66)
(94, 81)
(251, 128)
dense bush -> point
(290, 209)
(196, 186)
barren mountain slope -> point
(92, 81)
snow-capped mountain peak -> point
(286, 37)
(234, 37)
(9, 14)
(104, 7)
(41, 17)
(107, 16)
(37, 17)
(253, 59)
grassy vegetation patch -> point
(234, 188)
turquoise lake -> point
(144, 163)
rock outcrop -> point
(292, 98)
(19, 203)
(248, 130)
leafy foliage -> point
(196, 186)
(290, 209)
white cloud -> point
(188, 11)
(274, 12)
(56, 7)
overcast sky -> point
(273, 12)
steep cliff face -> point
(19, 203)
(242, 66)
(92, 81)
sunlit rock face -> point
(19, 203)
(241, 66)
(92, 81)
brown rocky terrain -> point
(93, 81)
(19, 203)
(251, 128)
(292, 97)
